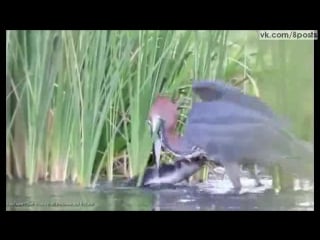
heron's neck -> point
(172, 142)
(172, 137)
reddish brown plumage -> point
(168, 111)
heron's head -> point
(163, 114)
(164, 108)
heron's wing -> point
(221, 111)
(251, 143)
(214, 90)
(230, 125)
(217, 90)
(233, 132)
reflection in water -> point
(113, 197)
(65, 197)
(156, 202)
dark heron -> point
(231, 128)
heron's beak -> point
(155, 128)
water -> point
(209, 196)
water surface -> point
(209, 196)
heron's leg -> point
(253, 173)
(188, 179)
(233, 172)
